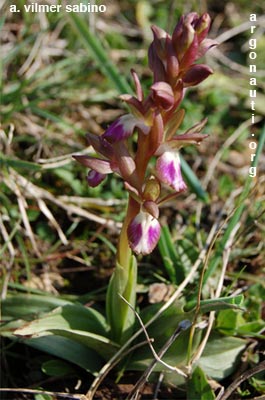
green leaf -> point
(101, 344)
(28, 305)
(121, 318)
(57, 368)
(221, 356)
(40, 396)
(70, 316)
(68, 350)
(221, 303)
(7, 328)
(18, 164)
(228, 322)
(258, 382)
(254, 328)
(198, 386)
(76, 323)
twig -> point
(46, 211)
(33, 191)
(59, 161)
(246, 375)
(35, 391)
(183, 325)
(221, 57)
(22, 205)
(238, 29)
(228, 35)
(107, 367)
(159, 382)
(220, 394)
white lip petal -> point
(168, 170)
(143, 233)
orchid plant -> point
(152, 173)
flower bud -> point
(172, 64)
(138, 87)
(196, 74)
(151, 189)
(160, 37)
(202, 26)
(184, 35)
(155, 64)
(190, 55)
(126, 164)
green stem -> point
(123, 250)
(123, 282)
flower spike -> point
(155, 119)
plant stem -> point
(123, 249)
(123, 282)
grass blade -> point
(99, 54)
(170, 257)
(193, 182)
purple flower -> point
(143, 233)
(119, 161)
(94, 178)
(98, 168)
(168, 170)
(123, 127)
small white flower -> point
(143, 233)
(168, 170)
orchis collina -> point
(155, 119)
